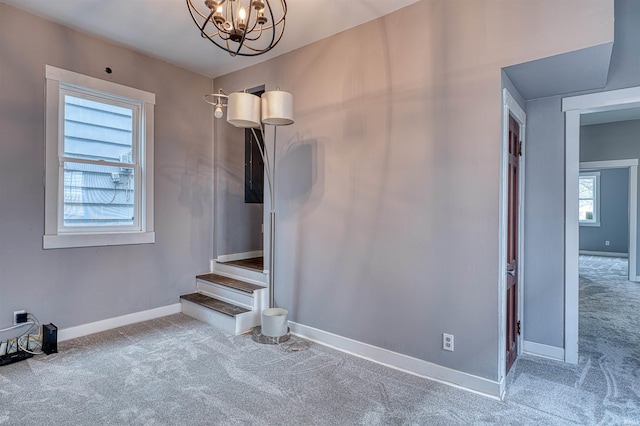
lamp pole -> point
(271, 177)
(248, 111)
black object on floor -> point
(14, 357)
(49, 338)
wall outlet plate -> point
(18, 315)
(447, 342)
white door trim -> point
(573, 107)
(510, 107)
(632, 165)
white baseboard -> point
(545, 351)
(110, 323)
(401, 362)
(603, 253)
(239, 256)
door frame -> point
(632, 165)
(510, 107)
(573, 107)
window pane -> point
(586, 187)
(96, 130)
(586, 210)
(96, 195)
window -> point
(99, 162)
(589, 193)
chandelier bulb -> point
(218, 112)
(261, 18)
(213, 4)
(242, 16)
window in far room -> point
(589, 193)
(99, 162)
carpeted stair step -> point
(214, 304)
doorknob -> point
(511, 272)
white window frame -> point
(59, 82)
(596, 199)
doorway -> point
(574, 107)
(630, 205)
(239, 185)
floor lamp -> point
(246, 110)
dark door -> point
(253, 168)
(512, 244)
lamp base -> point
(257, 336)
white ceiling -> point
(164, 29)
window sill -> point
(97, 240)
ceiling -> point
(571, 72)
(584, 69)
(164, 29)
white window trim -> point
(52, 238)
(596, 200)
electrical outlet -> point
(18, 316)
(606, 243)
(447, 342)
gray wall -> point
(614, 215)
(388, 182)
(610, 141)
(544, 223)
(544, 211)
(70, 287)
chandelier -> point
(241, 27)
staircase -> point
(230, 298)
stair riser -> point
(224, 322)
(239, 324)
(248, 275)
(246, 300)
(245, 322)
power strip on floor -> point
(14, 357)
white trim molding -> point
(121, 321)
(510, 107)
(401, 362)
(603, 253)
(545, 351)
(61, 83)
(239, 256)
(594, 176)
(609, 164)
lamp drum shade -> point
(243, 110)
(277, 108)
